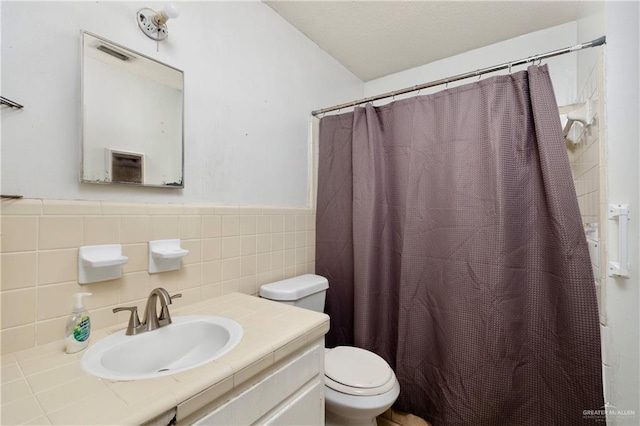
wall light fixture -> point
(154, 24)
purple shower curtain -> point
(449, 230)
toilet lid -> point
(357, 371)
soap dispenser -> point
(76, 336)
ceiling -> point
(376, 38)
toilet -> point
(359, 385)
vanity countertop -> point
(43, 385)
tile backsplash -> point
(230, 249)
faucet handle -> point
(134, 320)
(165, 316)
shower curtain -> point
(449, 230)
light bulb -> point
(171, 11)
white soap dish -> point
(165, 255)
(170, 253)
(100, 263)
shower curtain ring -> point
(446, 84)
(479, 75)
(509, 68)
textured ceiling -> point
(376, 38)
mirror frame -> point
(82, 115)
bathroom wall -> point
(614, 72)
(587, 157)
(562, 68)
(589, 170)
(622, 109)
(251, 80)
(588, 165)
(230, 249)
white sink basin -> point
(189, 342)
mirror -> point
(132, 117)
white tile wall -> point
(230, 249)
(589, 169)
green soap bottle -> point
(76, 335)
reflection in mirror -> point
(132, 109)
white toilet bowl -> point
(341, 409)
(359, 385)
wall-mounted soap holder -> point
(165, 255)
(100, 263)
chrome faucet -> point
(151, 319)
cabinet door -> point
(280, 387)
(306, 408)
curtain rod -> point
(593, 43)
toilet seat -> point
(355, 371)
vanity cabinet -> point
(290, 392)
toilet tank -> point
(305, 291)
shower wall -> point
(589, 170)
(588, 167)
